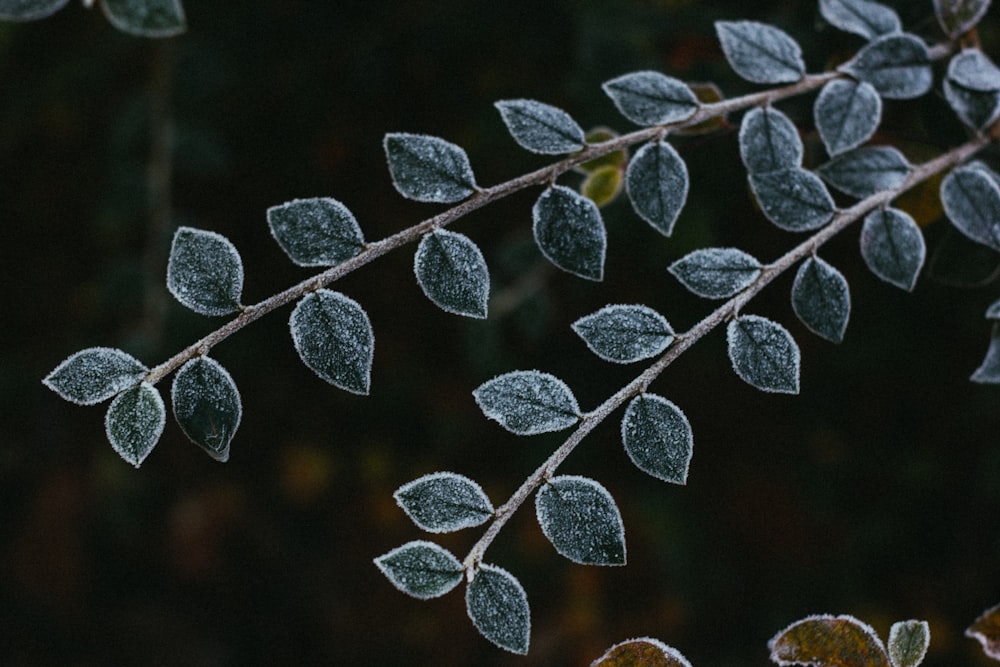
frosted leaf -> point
(528, 402)
(657, 184)
(650, 98)
(581, 520)
(421, 569)
(94, 375)
(893, 247)
(541, 128)
(986, 630)
(716, 273)
(334, 338)
(760, 53)
(444, 502)
(769, 141)
(429, 169)
(146, 18)
(134, 422)
(971, 199)
(764, 354)
(821, 299)
(862, 17)
(959, 16)
(846, 113)
(205, 272)
(793, 199)
(452, 272)
(644, 652)
(316, 232)
(989, 371)
(207, 405)
(975, 108)
(993, 312)
(897, 66)
(570, 232)
(657, 437)
(625, 334)
(602, 185)
(974, 70)
(498, 607)
(864, 171)
(29, 10)
(828, 641)
(908, 642)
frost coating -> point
(971, 199)
(826, 640)
(893, 247)
(429, 169)
(821, 299)
(581, 520)
(421, 569)
(334, 338)
(716, 273)
(134, 422)
(793, 199)
(984, 630)
(29, 10)
(205, 272)
(972, 69)
(908, 642)
(146, 18)
(897, 66)
(769, 141)
(528, 402)
(570, 232)
(452, 272)
(764, 354)
(657, 437)
(316, 232)
(498, 607)
(650, 98)
(541, 128)
(207, 405)
(624, 334)
(959, 16)
(444, 502)
(864, 171)
(657, 184)
(94, 375)
(641, 651)
(862, 17)
(989, 371)
(760, 53)
(972, 88)
(846, 113)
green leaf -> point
(641, 652)
(316, 232)
(29, 10)
(452, 272)
(657, 437)
(908, 642)
(444, 502)
(846, 113)
(971, 199)
(760, 53)
(205, 272)
(897, 66)
(957, 17)
(657, 184)
(570, 232)
(541, 128)
(864, 171)
(207, 405)
(974, 70)
(94, 375)
(581, 520)
(793, 199)
(146, 18)
(498, 606)
(989, 371)
(986, 630)
(821, 299)
(764, 354)
(625, 334)
(602, 185)
(429, 169)
(134, 422)
(650, 98)
(829, 641)
(334, 338)
(421, 569)
(528, 402)
(893, 247)
(716, 273)
(769, 141)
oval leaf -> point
(421, 569)
(847, 113)
(862, 17)
(764, 354)
(528, 402)
(207, 405)
(316, 232)
(334, 338)
(975, 108)
(624, 334)
(570, 232)
(897, 66)
(452, 272)
(429, 169)
(498, 607)
(650, 98)
(972, 69)
(893, 247)
(959, 16)
(769, 141)
(793, 199)
(828, 641)
(29, 10)
(971, 198)
(134, 422)
(864, 171)
(94, 375)
(541, 128)
(989, 371)
(657, 184)
(444, 502)
(821, 299)
(641, 652)
(146, 18)
(759, 52)
(986, 630)
(908, 642)
(581, 520)
(716, 273)
(205, 272)
(602, 185)
(657, 437)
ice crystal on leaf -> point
(793, 199)
(846, 113)
(452, 272)
(971, 198)
(760, 53)
(581, 520)
(421, 569)
(641, 652)
(134, 422)
(541, 128)
(769, 141)
(959, 16)
(205, 272)
(444, 502)
(316, 232)
(657, 184)
(334, 338)
(864, 171)
(893, 247)
(498, 606)
(650, 98)
(570, 232)
(716, 273)
(908, 642)
(624, 334)
(429, 169)
(828, 641)
(897, 66)
(821, 299)
(528, 402)
(207, 405)
(94, 375)
(862, 17)
(657, 437)
(764, 354)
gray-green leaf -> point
(846, 113)
(793, 199)
(864, 171)
(716, 273)
(334, 338)
(134, 422)
(764, 354)
(975, 108)
(760, 53)
(316, 232)
(908, 642)
(452, 272)
(528, 402)
(989, 371)
(974, 70)
(29, 10)
(897, 66)
(498, 606)
(657, 437)
(94, 375)
(429, 169)
(862, 17)
(541, 128)
(444, 502)
(959, 16)
(625, 334)
(581, 520)
(421, 569)
(769, 141)
(570, 232)
(146, 18)
(893, 247)
(650, 98)
(657, 184)
(821, 299)
(207, 405)
(205, 272)
(971, 198)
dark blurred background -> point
(875, 492)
